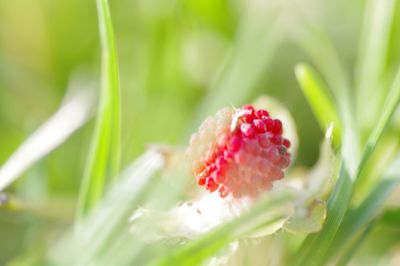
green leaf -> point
(390, 217)
(104, 155)
(313, 40)
(373, 49)
(314, 248)
(310, 212)
(94, 237)
(319, 99)
(258, 37)
(390, 107)
(365, 212)
(321, 50)
(72, 114)
(344, 260)
(320, 250)
(308, 220)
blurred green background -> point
(179, 61)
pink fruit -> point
(239, 152)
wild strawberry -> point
(239, 152)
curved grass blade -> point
(258, 37)
(315, 248)
(266, 212)
(318, 98)
(104, 155)
(73, 113)
(311, 38)
(390, 107)
(345, 259)
(390, 217)
(366, 211)
(100, 230)
(328, 62)
(374, 44)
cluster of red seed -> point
(239, 151)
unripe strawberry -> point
(239, 152)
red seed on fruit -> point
(263, 141)
(235, 143)
(269, 123)
(277, 127)
(248, 107)
(218, 176)
(211, 184)
(223, 192)
(201, 181)
(247, 130)
(259, 125)
(286, 143)
(276, 139)
(262, 113)
(239, 152)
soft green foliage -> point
(339, 201)
(372, 57)
(178, 62)
(39, 144)
(319, 99)
(318, 248)
(247, 61)
(357, 218)
(91, 238)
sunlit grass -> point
(131, 216)
(104, 158)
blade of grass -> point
(267, 211)
(109, 219)
(312, 39)
(366, 211)
(72, 114)
(257, 39)
(315, 245)
(325, 57)
(390, 218)
(104, 155)
(129, 244)
(315, 248)
(345, 259)
(319, 99)
(374, 42)
(390, 107)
